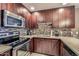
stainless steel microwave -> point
(9, 19)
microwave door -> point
(10, 20)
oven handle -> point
(17, 47)
(14, 52)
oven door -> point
(22, 49)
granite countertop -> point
(4, 48)
(71, 42)
(40, 36)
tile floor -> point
(25, 53)
(37, 54)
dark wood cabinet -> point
(0, 6)
(3, 6)
(21, 10)
(34, 21)
(55, 21)
(63, 17)
(70, 17)
(67, 17)
(11, 7)
(18, 9)
(37, 45)
(44, 16)
(46, 46)
(7, 6)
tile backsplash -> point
(43, 29)
(75, 32)
(22, 31)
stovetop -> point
(11, 39)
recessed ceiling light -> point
(32, 8)
(64, 3)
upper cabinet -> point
(0, 6)
(67, 17)
(55, 20)
(7, 6)
(63, 17)
(19, 9)
(11, 7)
(44, 16)
(34, 21)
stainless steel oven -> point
(9, 19)
(22, 49)
(18, 45)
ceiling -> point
(44, 6)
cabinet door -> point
(67, 17)
(47, 47)
(4, 6)
(38, 45)
(62, 19)
(11, 7)
(31, 45)
(55, 47)
(55, 18)
(34, 21)
(0, 6)
(70, 17)
(19, 9)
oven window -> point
(13, 21)
(23, 50)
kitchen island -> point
(71, 42)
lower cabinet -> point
(47, 46)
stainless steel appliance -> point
(22, 49)
(12, 39)
(9, 19)
(67, 51)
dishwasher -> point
(67, 51)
